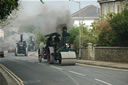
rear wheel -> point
(59, 58)
(16, 52)
(40, 59)
(60, 61)
(52, 59)
(25, 54)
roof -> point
(88, 11)
(52, 34)
(105, 1)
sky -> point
(30, 5)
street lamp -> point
(79, 27)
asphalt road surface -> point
(34, 73)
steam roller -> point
(57, 50)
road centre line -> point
(58, 68)
(32, 81)
(102, 81)
(102, 67)
(77, 73)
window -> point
(118, 8)
(105, 8)
(113, 7)
(126, 6)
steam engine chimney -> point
(21, 38)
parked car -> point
(1, 52)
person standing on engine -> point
(40, 47)
(40, 51)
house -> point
(114, 6)
(86, 15)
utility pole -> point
(79, 27)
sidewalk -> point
(104, 64)
(96, 63)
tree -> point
(119, 24)
(39, 37)
(102, 30)
(27, 28)
(74, 32)
(7, 6)
(113, 29)
(86, 36)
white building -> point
(86, 16)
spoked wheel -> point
(40, 59)
(15, 54)
(26, 54)
(52, 59)
(60, 60)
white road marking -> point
(102, 67)
(56, 67)
(32, 81)
(77, 73)
(72, 78)
(103, 82)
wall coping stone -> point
(113, 47)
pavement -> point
(104, 64)
(96, 63)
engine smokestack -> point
(21, 38)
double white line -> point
(12, 75)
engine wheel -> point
(52, 59)
(25, 54)
(16, 52)
(40, 59)
(60, 58)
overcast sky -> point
(59, 0)
(31, 7)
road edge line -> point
(12, 75)
(104, 67)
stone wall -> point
(114, 54)
(84, 53)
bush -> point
(39, 37)
(113, 30)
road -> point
(34, 73)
